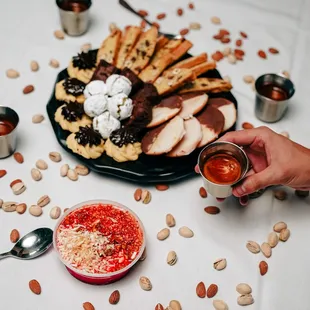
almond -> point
(212, 290)
(225, 40)
(59, 34)
(88, 306)
(161, 16)
(201, 290)
(180, 12)
(238, 42)
(19, 157)
(2, 173)
(184, 31)
(12, 74)
(202, 192)
(212, 210)
(143, 13)
(247, 125)
(162, 187)
(156, 25)
(238, 51)
(138, 193)
(14, 236)
(159, 307)
(114, 298)
(21, 208)
(143, 24)
(263, 268)
(35, 287)
(28, 89)
(191, 5)
(243, 35)
(239, 57)
(217, 56)
(273, 50)
(262, 54)
(218, 36)
(224, 32)
(215, 20)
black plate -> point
(147, 169)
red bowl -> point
(105, 278)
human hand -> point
(275, 160)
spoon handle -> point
(4, 255)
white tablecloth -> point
(26, 34)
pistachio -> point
(145, 283)
(163, 234)
(35, 210)
(55, 213)
(253, 247)
(232, 59)
(172, 258)
(21, 208)
(72, 175)
(1, 203)
(146, 196)
(64, 170)
(243, 288)
(284, 234)
(170, 220)
(175, 305)
(215, 20)
(37, 118)
(286, 74)
(266, 249)
(280, 194)
(219, 304)
(220, 264)
(55, 157)
(81, 170)
(59, 34)
(9, 206)
(273, 239)
(36, 174)
(12, 74)
(279, 226)
(248, 79)
(54, 63)
(245, 300)
(43, 201)
(41, 164)
(85, 47)
(186, 232)
(226, 51)
(34, 66)
(18, 187)
(194, 26)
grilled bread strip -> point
(207, 85)
(204, 67)
(191, 61)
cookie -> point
(110, 47)
(149, 93)
(129, 39)
(71, 117)
(181, 50)
(160, 43)
(207, 85)
(103, 71)
(191, 61)
(192, 103)
(86, 142)
(141, 114)
(167, 48)
(83, 66)
(95, 105)
(136, 83)
(105, 124)
(70, 90)
(140, 55)
(203, 67)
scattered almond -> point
(143, 24)
(219, 304)
(301, 194)
(88, 306)
(163, 234)
(14, 236)
(64, 170)
(54, 63)
(263, 268)
(37, 118)
(161, 16)
(280, 194)
(145, 283)
(35, 287)
(12, 74)
(146, 196)
(220, 264)
(41, 164)
(273, 239)
(59, 34)
(72, 175)
(239, 52)
(55, 157)
(86, 47)
(159, 307)
(35, 210)
(243, 289)
(170, 220)
(266, 249)
(247, 125)
(191, 5)
(2, 173)
(184, 31)
(279, 226)
(225, 40)
(114, 298)
(243, 35)
(217, 56)
(262, 54)
(156, 25)
(162, 187)
(194, 26)
(36, 174)
(186, 232)
(238, 42)
(231, 59)
(34, 66)
(273, 50)
(138, 194)
(212, 290)
(43, 201)
(21, 208)
(180, 12)
(175, 305)
(143, 13)
(212, 210)
(19, 157)
(248, 79)
(216, 20)
(253, 247)
(201, 290)
(28, 89)
(202, 192)
(224, 32)
(284, 234)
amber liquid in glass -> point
(74, 6)
(273, 92)
(5, 126)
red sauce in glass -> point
(222, 169)
(74, 6)
(273, 92)
(5, 126)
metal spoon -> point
(31, 245)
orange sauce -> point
(222, 169)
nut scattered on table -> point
(72, 175)
(64, 170)
(273, 239)
(212, 210)
(88, 306)
(284, 234)
(12, 74)
(253, 247)
(43, 201)
(243, 288)
(247, 125)
(262, 54)
(232, 59)
(163, 234)
(55, 213)
(86, 47)
(2, 173)
(162, 187)
(35, 210)
(191, 6)
(145, 283)
(18, 186)
(279, 226)
(18, 157)
(55, 157)
(280, 194)
(175, 305)
(9, 206)
(184, 31)
(138, 194)
(220, 264)
(194, 26)
(59, 34)
(245, 300)
(159, 307)
(201, 290)
(36, 174)
(114, 298)
(21, 208)
(35, 287)
(54, 63)
(28, 89)
(180, 12)
(146, 196)
(220, 304)
(273, 50)
(172, 258)
(37, 118)
(170, 220)
(34, 66)
(41, 164)
(266, 249)
(186, 232)
(226, 51)
(263, 268)
(14, 235)
(215, 20)
(248, 79)
(161, 16)
(81, 170)
(202, 192)
(212, 290)
(286, 74)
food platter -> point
(146, 169)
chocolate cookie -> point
(103, 71)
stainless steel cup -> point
(219, 190)
(74, 22)
(8, 142)
(269, 110)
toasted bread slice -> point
(191, 61)
(164, 138)
(142, 52)
(171, 80)
(227, 108)
(181, 50)
(129, 39)
(204, 67)
(192, 103)
(168, 48)
(110, 47)
(160, 43)
(165, 110)
(207, 85)
(189, 142)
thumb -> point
(254, 182)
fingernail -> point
(220, 199)
(244, 200)
(239, 191)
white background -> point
(26, 34)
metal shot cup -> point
(269, 110)
(219, 190)
(74, 23)
(8, 142)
